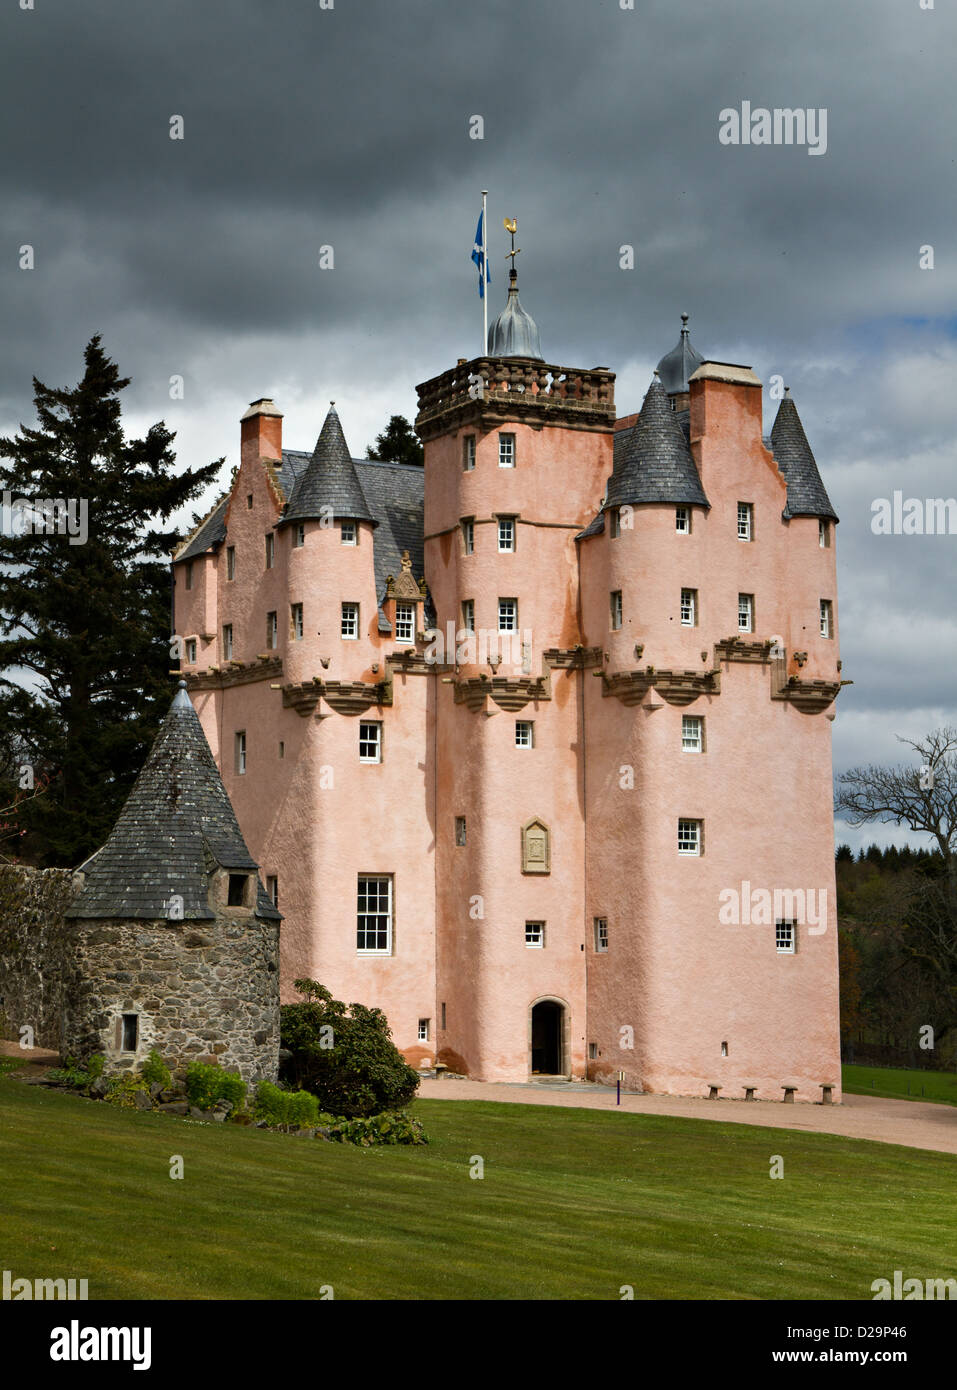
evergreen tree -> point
(397, 444)
(84, 606)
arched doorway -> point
(547, 1038)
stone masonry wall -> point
(37, 966)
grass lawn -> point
(940, 1086)
(573, 1204)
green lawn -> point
(938, 1086)
(573, 1204)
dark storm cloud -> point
(349, 127)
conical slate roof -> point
(652, 460)
(676, 367)
(329, 481)
(792, 454)
(178, 824)
(514, 333)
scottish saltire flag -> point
(478, 256)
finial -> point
(511, 226)
(332, 402)
(182, 685)
(657, 377)
(684, 323)
(787, 393)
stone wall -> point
(37, 966)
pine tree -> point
(84, 607)
(397, 444)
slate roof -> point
(177, 824)
(328, 481)
(210, 533)
(792, 454)
(653, 461)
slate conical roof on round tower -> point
(514, 333)
(178, 825)
(329, 485)
(807, 495)
(676, 367)
(652, 460)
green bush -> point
(344, 1055)
(120, 1090)
(155, 1070)
(393, 1127)
(206, 1084)
(70, 1075)
(278, 1107)
(95, 1065)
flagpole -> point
(484, 274)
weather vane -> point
(511, 226)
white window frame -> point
(823, 534)
(423, 1030)
(239, 752)
(601, 935)
(785, 935)
(191, 651)
(388, 914)
(272, 631)
(468, 453)
(460, 832)
(689, 838)
(691, 605)
(614, 523)
(524, 733)
(506, 450)
(299, 535)
(405, 623)
(614, 600)
(683, 521)
(535, 936)
(512, 625)
(372, 743)
(506, 535)
(272, 889)
(297, 621)
(468, 614)
(348, 533)
(349, 619)
(827, 618)
(745, 521)
(746, 611)
(227, 641)
(692, 733)
(468, 536)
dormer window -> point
(405, 622)
(236, 891)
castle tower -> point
(175, 943)
(513, 470)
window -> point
(692, 733)
(689, 607)
(468, 614)
(347, 533)
(236, 890)
(443, 1017)
(724, 1049)
(827, 618)
(535, 935)
(524, 733)
(272, 889)
(370, 741)
(506, 533)
(189, 574)
(508, 615)
(424, 1029)
(350, 620)
(689, 837)
(299, 535)
(295, 619)
(468, 453)
(601, 933)
(240, 751)
(823, 534)
(745, 612)
(614, 523)
(784, 938)
(131, 1032)
(683, 520)
(230, 562)
(506, 451)
(459, 831)
(468, 536)
(745, 521)
(227, 641)
(272, 630)
(270, 551)
(592, 1052)
(249, 501)
(616, 610)
(282, 749)
(191, 651)
(405, 622)
(374, 917)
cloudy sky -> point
(310, 124)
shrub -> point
(155, 1070)
(120, 1090)
(393, 1127)
(278, 1107)
(95, 1066)
(344, 1054)
(206, 1084)
(71, 1075)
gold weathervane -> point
(511, 226)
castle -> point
(532, 744)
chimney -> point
(725, 416)
(261, 432)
